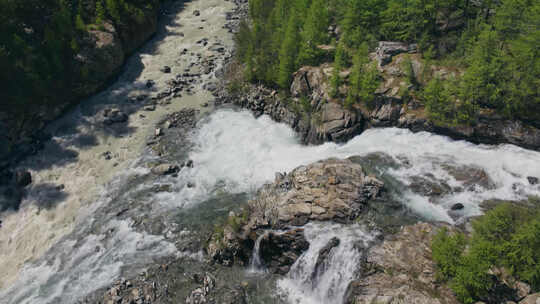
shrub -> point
(507, 236)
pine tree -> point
(100, 12)
(339, 63)
(288, 52)
(314, 33)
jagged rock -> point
(457, 206)
(531, 299)
(387, 49)
(113, 115)
(470, 176)
(309, 81)
(165, 69)
(336, 124)
(331, 189)
(228, 247)
(165, 169)
(400, 270)
(279, 251)
(323, 256)
(23, 178)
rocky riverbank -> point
(112, 141)
(318, 117)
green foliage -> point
(39, 41)
(364, 79)
(495, 44)
(314, 33)
(506, 236)
(288, 53)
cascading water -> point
(309, 282)
(256, 266)
(240, 153)
(234, 153)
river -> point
(67, 242)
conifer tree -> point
(288, 51)
(314, 33)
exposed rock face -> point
(279, 251)
(336, 124)
(531, 299)
(230, 247)
(329, 190)
(400, 270)
(389, 110)
(332, 189)
(387, 49)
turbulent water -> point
(233, 153)
(306, 284)
(112, 223)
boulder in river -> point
(165, 69)
(23, 178)
(332, 189)
(532, 180)
(279, 251)
(165, 169)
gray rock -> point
(165, 69)
(532, 180)
(23, 178)
(165, 169)
(279, 251)
(387, 49)
(458, 206)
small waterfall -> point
(256, 266)
(310, 282)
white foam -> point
(238, 153)
(76, 267)
(304, 284)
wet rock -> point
(458, 206)
(23, 178)
(113, 115)
(150, 83)
(429, 186)
(279, 251)
(165, 169)
(532, 180)
(165, 69)
(199, 295)
(107, 155)
(470, 176)
(196, 13)
(323, 256)
(150, 108)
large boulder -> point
(335, 123)
(332, 189)
(387, 49)
(310, 81)
(279, 251)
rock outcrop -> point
(333, 189)
(400, 270)
(329, 190)
(279, 251)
